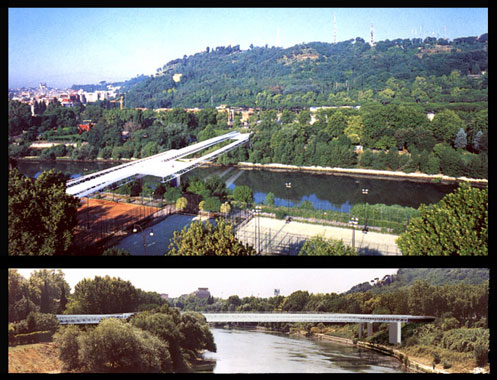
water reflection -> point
(326, 192)
(158, 243)
(259, 352)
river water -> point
(325, 191)
(248, 351)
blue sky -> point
(66, 46)
(229, 281)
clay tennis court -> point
(98, 218)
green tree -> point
(41, 215)
(450, 160)
(243, 194)
(296, 301)
(186, 334)
(117, 346)
(225, 208)
(320, 246)
(445, 126)
(201, 239)
(354, 129)
(336, 124)
(269, 199)
(103, 295)
(195, 332)
(211, 204)
(181, 203)
(66, 340)
(164, 324)
(455, 226)
(19, 117)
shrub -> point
(66, 340)
(411, 341)
(436, 358)
(306, 205)
(116, 346)
(42, 322)
(446, 364)
(481, 354)
(11, 334)
(33, 337)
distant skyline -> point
(66, 46)
(225, 282)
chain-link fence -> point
(270, 241)
(101, 218)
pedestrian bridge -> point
(363, 320)
(165, 165)
(312, 317)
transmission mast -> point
(372, 35)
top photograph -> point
(248, 131)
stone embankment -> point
(409, 363)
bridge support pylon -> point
(369, 329)
(394, 333)
(176, 181)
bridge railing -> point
(164, 157)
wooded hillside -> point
(319, 73)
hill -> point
(318, 73)
(434, 276)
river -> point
(249, 351)
(325, 191)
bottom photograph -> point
(231, 320)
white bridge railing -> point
(264, 317)
(163, 165)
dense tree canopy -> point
(41, 215)
(319, 73)
(455, 226)
(103, 295)
(206, 239)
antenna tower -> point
(372, 35)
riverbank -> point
(418, 364)
(352, 172)
(412, 363)
(355, 172)
(409, 363)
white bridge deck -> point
(264, 317)
(163, 165)
(394, 321)
(312, 317)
